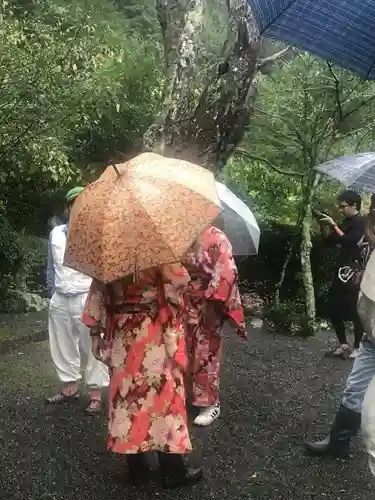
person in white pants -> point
(69, 338)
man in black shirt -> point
(345, 287)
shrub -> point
(34, 261)
(260, 274)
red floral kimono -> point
(213, 274)
(146, 354)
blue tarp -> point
(342, 31)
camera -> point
(317, 213)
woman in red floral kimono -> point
(144, 347)
(211, 299)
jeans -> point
(360, 377)
(368, 424)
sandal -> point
(342, 351)
(94, 407)
(61, 398)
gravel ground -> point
(275, 391)
(19, 329)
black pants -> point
(171, 464)
(339, 327)
(343, 308)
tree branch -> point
(245, 154)
(360, 105)
(337, 91)
(361, 139)
(273, 58)
(284, 120)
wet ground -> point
(275, 391)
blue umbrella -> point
(342, 31)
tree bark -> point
(284, 269)
(306, 245)
(204, 128)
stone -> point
(253, 304)
(23, 302)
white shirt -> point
(368, 280)
(62, 279)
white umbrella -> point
(240, 225)
(355, 171)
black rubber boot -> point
(175, 474)
(337, 444)
(139, 468)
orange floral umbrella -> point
(139, 214)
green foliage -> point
(307, 112)
(76, 86)
(213, 32)
(33, 261)
(10, 252)
(141, 17)
(79, 82)
(288, 318)
(274, 197)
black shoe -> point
(345, 426)
(175, 474)
(190, 478)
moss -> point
(28, 370)
(6, 333)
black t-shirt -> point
(353, 230)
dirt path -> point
(275, 390)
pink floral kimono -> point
(146, 355)
(213, 274)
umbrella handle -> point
(116, 169)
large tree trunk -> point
(207, 127)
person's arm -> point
(175, 274)
(370, 228)
(176, 279)
(224, 275)
(50, 271)
(222, 293)
(349, 237)
(94, 310)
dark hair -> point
(351, 198)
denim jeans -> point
(364, 365)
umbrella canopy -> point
(355, 171)
(140, 214)
(342, 31)
(240, 225)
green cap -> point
(73, 193)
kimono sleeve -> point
(176, 278)
(224, 270)
(94, 311)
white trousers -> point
(70, 342)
